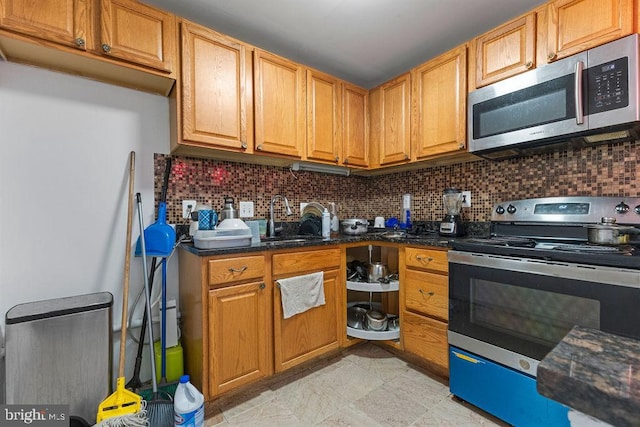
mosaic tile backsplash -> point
(606, 170)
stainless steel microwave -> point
(588, 98)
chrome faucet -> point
(272, 227)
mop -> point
(124, 408)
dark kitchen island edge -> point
(596, 373)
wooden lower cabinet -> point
(239, 319)
(316, 331)
(425, 305)
(226, 312)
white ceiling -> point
(365, 42)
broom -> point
(159, 411)
(122, 407)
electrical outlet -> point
(188, 206)
(466, 199)
(246, 209)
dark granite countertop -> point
(595, 373)
(427, 240)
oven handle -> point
(577, 89)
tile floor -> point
(366, 385)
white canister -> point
(378, 222)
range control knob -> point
(499, 210)
(637, 209)
(511, 209)
(622, 208)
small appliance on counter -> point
(228, 211)
(452, 224)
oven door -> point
(515, 310)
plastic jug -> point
(188, 405)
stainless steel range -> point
(513, 297)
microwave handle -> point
(577, 90)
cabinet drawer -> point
(315, 260)
(428, 259)
(228, 270)
(427, 293)
(426, 338)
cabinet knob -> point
(337, 159)
(345, 161)
(551, 56)
(106, 48)
(426, 294)
(243, 145)
(80, 42)
(528, 65)
(262, 285)
(424, 258)
(461, 146)
(238, 270)
(406, 157)
(259, 147)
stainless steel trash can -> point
(59, 352)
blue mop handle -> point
(163, 338)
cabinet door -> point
(439, 105)
(577, 25)
(216, 89)
(239, 324)
(355, 126)
(137, 33)
(66, 22)
(324, 117)
(504, 52)
(392, 113)
(279, 105)
(311, 333)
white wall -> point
(64, 150)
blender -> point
(452, 224)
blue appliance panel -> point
(501, 391)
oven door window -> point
(529, 314)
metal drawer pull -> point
(428, 294)
(422, 258)
(262, 285)
(238, 270)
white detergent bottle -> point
(326, 224)
(188, 405)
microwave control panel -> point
(608, 86)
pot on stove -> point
(607, 232)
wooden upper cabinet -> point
(137, 33)
(504, 52)
(355, 126)
(217, 106)
(324, 117)
(67, 22)
(439, 105)
(576, 25)
(279, 98)
(390, 107)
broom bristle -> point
(160, 413)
